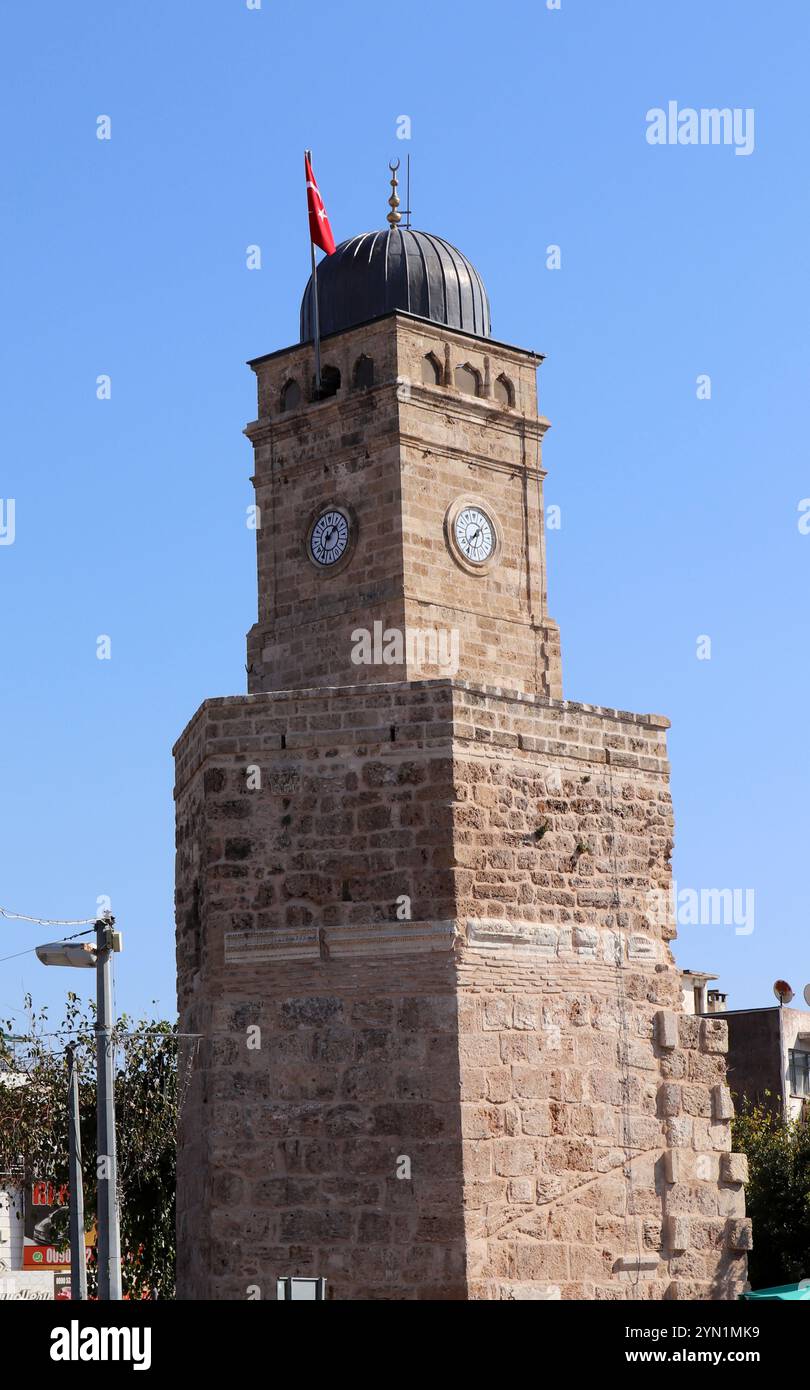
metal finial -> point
(394, 218)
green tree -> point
(777, 1194)
(34, 1127)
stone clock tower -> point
(422, 901)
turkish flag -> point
(319, 230)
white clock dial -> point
(329, 537)
(475, 535)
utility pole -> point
(78, 1258)
(109, 1238)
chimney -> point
(717, 1001)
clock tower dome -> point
(423, 903)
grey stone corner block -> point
(740, 1234)
(734, 1168)
(666, 1028)
(722, 1104)
(713, 1035)
(669, 1098)
(676, 1233)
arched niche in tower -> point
(290, 396)
(330, 383)
(363, 375)
(431, 370)
(504, 391)
(467, 379)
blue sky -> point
(126, 257)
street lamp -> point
(82, 955)
(75, 953)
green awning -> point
(780, 1292)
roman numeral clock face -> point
(474, 535)
(329, 538)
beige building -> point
(768, 1058)
(443, 1047)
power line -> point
(48, 921)
(123, 1033)
(17, 954)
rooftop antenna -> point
(783, 992)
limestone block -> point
(531, 1083)
(669, 1098)
(498, 1083)
(666, 1028)
(679, 1132)
(740, 1235)
(675, 1166)
(713, 1035)
(731, 1200)
(673, 1065)
(722, 1104)
(514, 1158)
(527, 1013)
(521, 1293)
(676, 1233)
(477, 1251)
(707, 1165)
(498, 1013)
(480, 1121)
(586, 941)
(689, 1030)
(706, 1067)
(688, 1291)
(536, 1121)
(634, 1266)
(643, 1132)
(696, 1101)
(734, 1168)
(640, 1055)
(536, 1261)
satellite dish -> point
(807, 995)
(783, 992)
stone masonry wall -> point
(456, 446)
(396, 456)
(596, 1119)
(493, 1097)
(286, 903)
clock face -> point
(329, 537)
(474, 535)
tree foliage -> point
(34, 1127)
(777, 1194)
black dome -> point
(372, 274)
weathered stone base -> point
(442, 1052)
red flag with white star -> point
(319, 230)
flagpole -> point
(315, 297)
(317, 321)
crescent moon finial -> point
(394, 217)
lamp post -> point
(84, 955)
(109, 1235)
